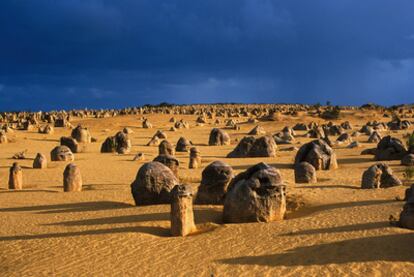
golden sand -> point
(340, 230)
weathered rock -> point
(214, 182)
(283, 138)
(146, 124)
(181, 124)
(123, 143)
(127, 131)
(81, 134)
(353, 144)
(169, 161)
(409, 193)
(161, 135)
(3, 137)
(316, 133)
(195, 158)
(218, 137)
(369, 151)
(300, 127)
(256, 195)
(61, 153)
(153, 184)
(61, 122)
(375, 137)
(28, 126)
(399, 124)
(73, 145)
(334, 130)
(183, 145)
(7, 129)
(252, 120)
(72, 178)
(119, 143)
(155, 141)
(48, 129)
(344, 138)
(407, 214)
(379, 176)
(305, 173)
(272, 116)
(390, 148)
(254, 147)
(139, 157)
(16, 177)
(182, 216)
(346, 125)
(257, 131)
(166, 148)
(20, 155)
(40, 161)
(367, 130)
(231, 123)
(408, 160)
(289, 131)
(201, 120)
(356, 134)
(319, 154)
(109, 145)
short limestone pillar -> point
(3, 137)
(166, 148)
(16, 177)
(182, 216)
(195, 158)
(72, 179)
(305, 173)
(40, 161)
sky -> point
(112, 54)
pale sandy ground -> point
(341, 231)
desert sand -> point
(339, 230)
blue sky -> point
(101, 53)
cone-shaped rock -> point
(72, 178)
(40, 161)
(218, 137)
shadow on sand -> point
(354, 160)
(204, 217)
(156, 231)
(70, 208)
(341, 229)
(327, 187)
(392, 248)
(201, 216)
(308, 210)
(26, 190)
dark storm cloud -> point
(101, 53)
